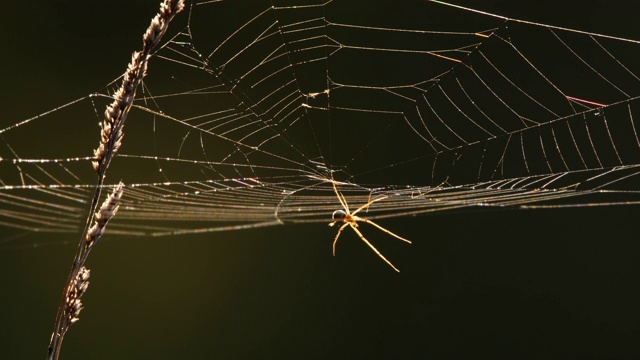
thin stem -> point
(111, 138)
(78, 262)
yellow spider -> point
(350, 219)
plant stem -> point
(111, 137)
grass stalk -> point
(110, 141)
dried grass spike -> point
(116, 113)
(73, 303)
(107, 211)
(110, 140)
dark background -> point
(475, 284)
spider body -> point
(340, 215)
(348, 218)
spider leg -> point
(383, 229)
(335, 241)
(372, 247)
(341, 198)
(369, 203)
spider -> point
(350, 219)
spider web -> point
(249, 113)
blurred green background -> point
(511, 284)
